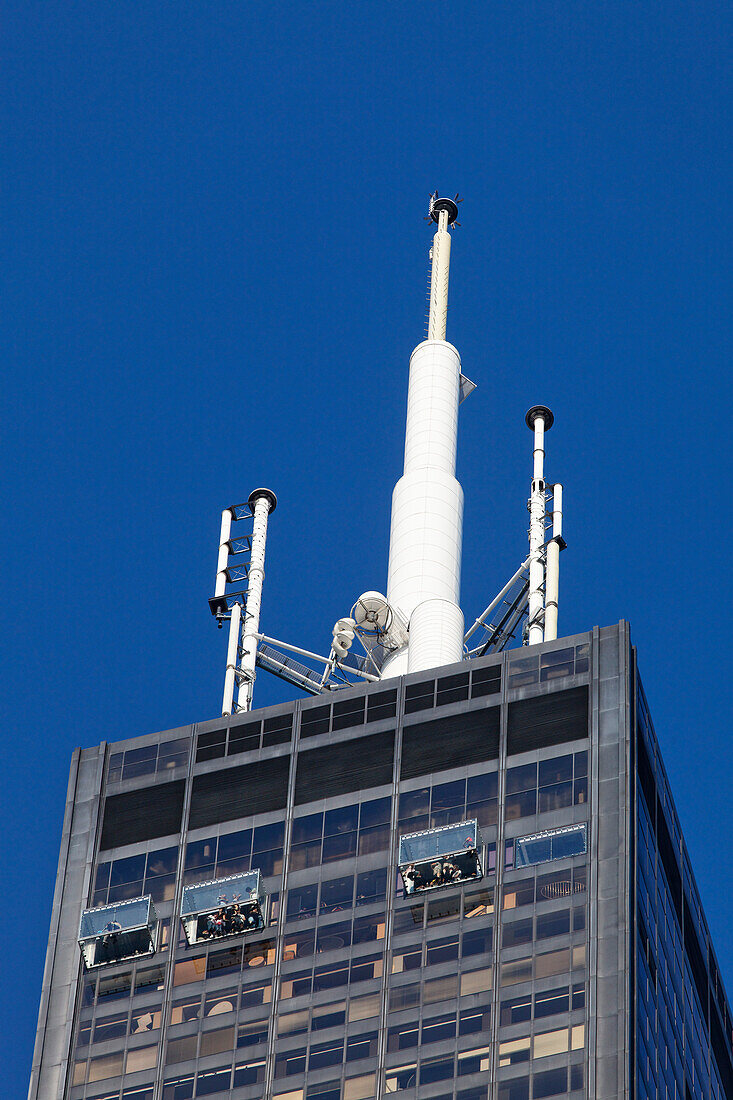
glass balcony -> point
(114, 933)
(440, 857)
(225, 907)
(550, 845)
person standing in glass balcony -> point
(412, 879)
(450, 871)
(438, 878)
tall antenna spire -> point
(444, 212)
(423, 584)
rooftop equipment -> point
(418, 625)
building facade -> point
(571, 958)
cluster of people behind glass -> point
(228, 921)
(441, 871)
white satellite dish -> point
(372, 613)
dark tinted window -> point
(142, 814)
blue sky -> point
(215, 266)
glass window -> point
(519, 931)
(551, 1002)
(371, 886)
(326, 1054)
(302, 902)
(293, 1023)
(181, 1050)
(290, 1062)
(409, 959)
(400, 1078)
(333, 937)
(267, 837)
(476, 981)
(557, 770)
(186, 1009)
(523, 778)
(336, 894)
(523, 804)
(375, 839)
(550, 1042)
(365, 969)
(513, 1051)
(110, 1027)
(556, 797)
(141, 1058)
(553, 924)
(330, 1015)
(361, 1046)
(330, 977)
(404, 996)
(402, 1037)
(360, 1088)
(552, 962)
(368, 929)
(517, 1010)
(109, 1065)
(307, 828)
(444, 950)
(338, 846)
(254, 995)
(305, 855)
(189, 970)
(221, 1002)
(477, 903)
(178, 1088)
(436, 1069)
(363, 1008)
(145, 1019)
(550, 1083)
(473, 1021)
(414, 803)
(518, 1089)
(439, 1028)
(343, 820)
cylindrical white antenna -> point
(552, 576)
(440, 270)
(232, 660)
(539, 420)
(221, 568)
(424, 576)
(262, 502)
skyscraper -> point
(461, 878)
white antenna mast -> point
(424, 575)
(552, 572)
(242, 608)
(539, 420)
(262, 502)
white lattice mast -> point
(262, 502)
(424, 575)
(241, 608)
(539, 420)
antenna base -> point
(535, 412)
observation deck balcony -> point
(434, 858)
(115, 933)
(223, 908)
